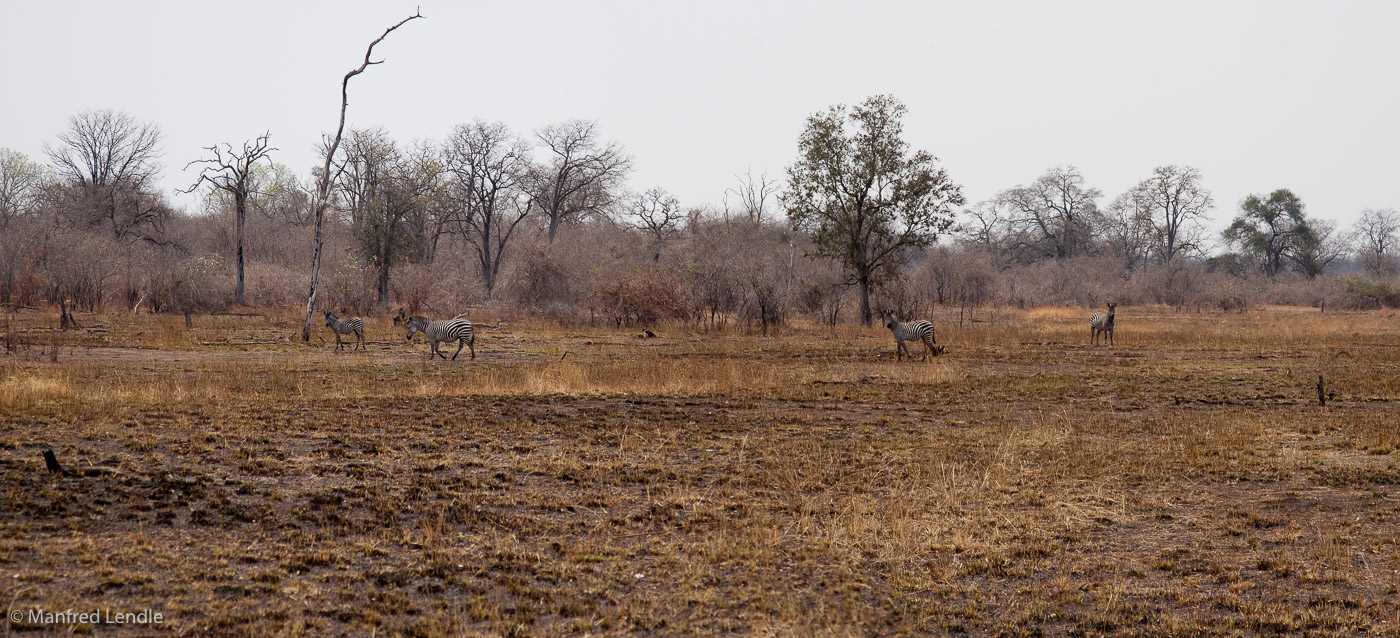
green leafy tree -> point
(1275, 231)
(863, 196)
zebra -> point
(346, 326)
(912, 331)
(455, 329)
(1102, 324)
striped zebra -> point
(455, 329)
(912, 331)
(1102, 324)
(344, 327)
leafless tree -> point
(231, 172)
(1376, 235)
(762, 270)
(1176, 204)
(1126, 228)
(108, 161)
(658, 214)
(323, 190)
(384, 191)
(284, 196)
(1057, 211)
(488, 165)
(581, 174)
(752, 197)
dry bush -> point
(272, 284)
(554, 281)
(1364, 293)
(349, 284)
(79, 267)
(413, 285)
(21, 245)
(1083, 281)
(1295, 289)
(822, 291)
(640, 299)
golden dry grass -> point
(583, 480)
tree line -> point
(547, 222)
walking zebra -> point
(346, 326)
(459, 330)
(1102, 324)
(912, 331)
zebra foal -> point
(459, 330)
(346, 326)
(921, 331)
(1102, 324)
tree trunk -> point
(323, 193)
(315, 275)
(240, 211)
(864, 282)
(384, 271)
(553, 228)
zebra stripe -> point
(1102, 324)
(459, 330)
(921, 331)
(346, 326)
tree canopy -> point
(863, 195)
(1276, 231)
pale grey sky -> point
(1257, 95)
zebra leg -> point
(438, 351)
(471, 343)
(459, 349)
(360, 336)
(337, 341)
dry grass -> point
(571, 481)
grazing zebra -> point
(346, 326)
(459, 330)
(912, 331)
(1102, 324)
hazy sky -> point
(1257, 95)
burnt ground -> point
(1027, 486)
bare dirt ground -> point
(578, 481)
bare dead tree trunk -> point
(241, 211)
(324, 189)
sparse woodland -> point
(547, 223)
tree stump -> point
(51, 462)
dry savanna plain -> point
(583, 480)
